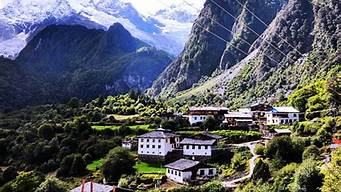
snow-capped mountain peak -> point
(166, 28)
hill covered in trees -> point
(62, 61)
(299, 43)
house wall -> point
(127, 145)
(206, 172)
(155, 146)
(197, 118)
(197, 150)
(178, 176)
(275, 119)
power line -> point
(266, 25)
(253, 31)
(217, 36)
(232, 32)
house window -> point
(141, 140)
(175, 173)
(195, 118)
(202, 172)
(193, 146)
(210, 171)
(168, 170)
(159, 140)
(153, 146)
(206, 147)
(159, 146)
(141, 146)
(294, 115)
(179, 173)
(171, 171)
(147, 146)
(141, 152)
(187, 146)
(147, 140)
(153, 140)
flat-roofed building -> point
(282, 115)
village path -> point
(252, 162)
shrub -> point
(311, 152)
(261, 171)
(307, 177)
(259, 149)
(113, 168)
(284, 177)
(71, 165)
(52, 184)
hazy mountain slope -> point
(205, 53)
(314, 35)
(73, 61)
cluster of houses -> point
(162, 146)
(257, 114)
(184, 157)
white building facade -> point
(282, 115)
(194, 119)
(183, 171)
(157, 143)
(207, 171)
(196, 147)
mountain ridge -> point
(309, 42)
(65, 61)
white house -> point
(282, 115)
(197, 147)
(184, 170)
(130, 144)
(157, 143)
(200, 114)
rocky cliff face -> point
(204, 53)
(72, 61)
(301, 43)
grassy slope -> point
(147, 168)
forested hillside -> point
(204, 53)
(62, 61)
(301, 44)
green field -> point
(147, 168)
(115, 127)
(95, 165)
(125, 117)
